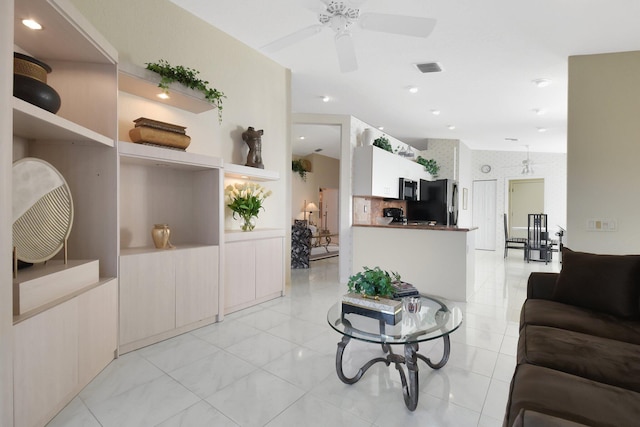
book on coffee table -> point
(404, 289)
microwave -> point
(408, 189)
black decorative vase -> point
(30, 83)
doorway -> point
(329, 209)
(525, 196)
(484, 213)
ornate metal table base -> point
(410, 359)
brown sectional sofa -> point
(579, 348)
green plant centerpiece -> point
(430, 165)
(187, 77)
(298, 166)
(373, 282)
(370, 294)
(383, 142)
(245, 200)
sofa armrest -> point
(541, 285)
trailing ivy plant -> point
(373, 282)
(430, 165)
(189, 78)
(383, 142)
(298, 166)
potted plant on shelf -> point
(187, 77)
(430, 165)
(245, 200)
(383, 142)
(300, 167)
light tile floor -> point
(273, 365)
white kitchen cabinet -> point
(254, 268)
(377, 173)
(374, 174)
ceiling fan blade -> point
(346, 52)
(292, 38)
(397, 24)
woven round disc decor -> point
(42, 210)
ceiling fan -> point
(527, 165)
(340, 16)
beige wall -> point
(603, 148)
(257, 88)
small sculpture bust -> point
(253, 138)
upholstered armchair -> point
(300, 244)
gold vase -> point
(160, 235)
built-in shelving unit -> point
(253, 261)
(249, 173)
(165, 292)
(66, 329)
(144, 83)
(34, 123)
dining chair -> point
(512, 242)
(538, 238)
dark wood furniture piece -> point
(512, 242)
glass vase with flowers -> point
(245, 200)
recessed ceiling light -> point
(541, 82)
(542, 130)
(34, 25)
(451, 127)
(413, 89)
(380, 127)
(435, 112)
(301, 138)
(539, 111)
(326, 99)
(162, 95)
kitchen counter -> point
(437, 260)
(418, 225)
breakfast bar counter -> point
(437, 260)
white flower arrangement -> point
(246, 200)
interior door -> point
(525, 196)
(484, 213)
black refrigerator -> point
(438, 202)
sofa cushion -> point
(537, 419)
(558, 315)
(570, 397)
(607, 283)
(599, 359)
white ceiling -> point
(490, 50)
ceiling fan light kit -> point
(340, 17)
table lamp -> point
(311, 208)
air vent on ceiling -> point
(429, 67)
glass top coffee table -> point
(436, 319)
